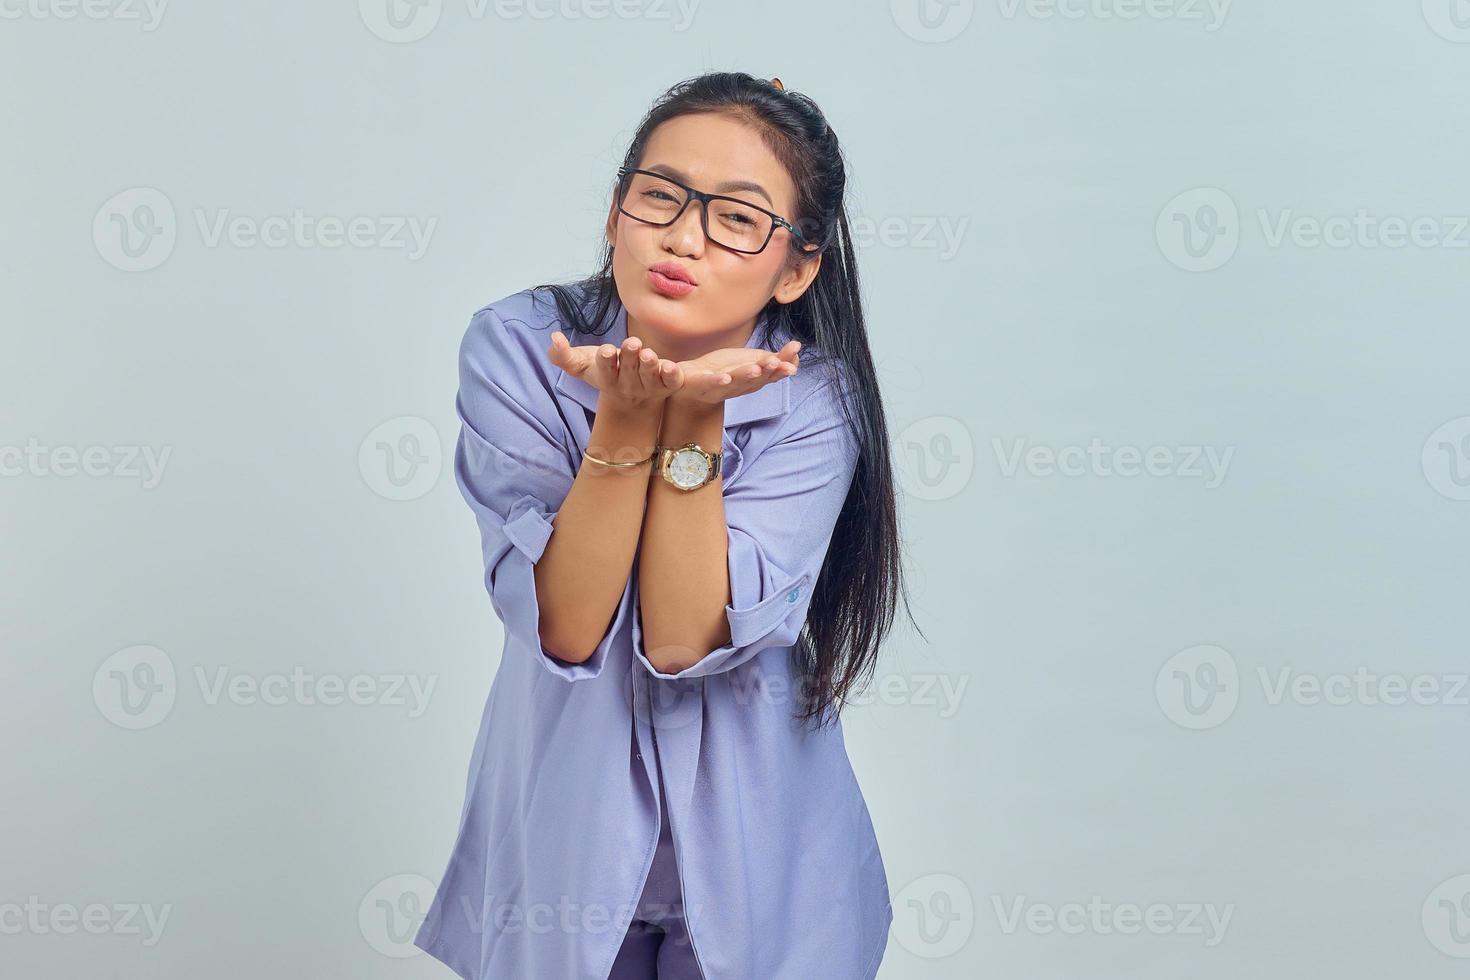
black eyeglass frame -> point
(693, 195)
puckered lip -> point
(675, 271)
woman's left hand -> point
(733, 371)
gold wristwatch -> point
(689, 466)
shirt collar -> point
(765, 402)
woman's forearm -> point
(683, 575)
(581, 575)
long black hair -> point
(857, 591)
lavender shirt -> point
(781, 872)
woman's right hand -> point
(629, 376)
(733, 371)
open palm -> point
(630, 373)
(636, 375)
(733, 371)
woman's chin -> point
(657, 313)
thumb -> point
(570, 359)
(557, 351)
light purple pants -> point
(657, 945)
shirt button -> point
(793, 595)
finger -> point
(789, 352)
(711, 384)
(576, 362)
(757, 377)
(763, 370)
(629, 353)
(558, 349)
(648, 370)
(756, 383)
(573, 360)
(607, 363)
(671, 374)
(703, 387)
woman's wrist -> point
(688, 420)
(624, 433)
(616, 405)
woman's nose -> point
(686, 234)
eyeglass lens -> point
(731, 224)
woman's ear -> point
(612, 220)
(796, 279)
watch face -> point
(688, 469)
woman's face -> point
(706, 151)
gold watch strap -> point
(665, 453)
(715, 458)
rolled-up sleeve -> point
(514, 470)
(780, 513)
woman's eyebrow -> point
(726, 187)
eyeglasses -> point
(738, 225)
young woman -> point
(689, 531)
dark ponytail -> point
(856, 595)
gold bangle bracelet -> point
(606, 462)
